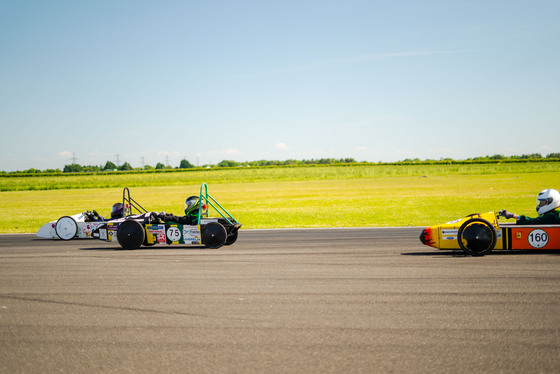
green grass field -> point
(349, 196)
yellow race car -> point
(479, 234)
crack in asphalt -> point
(129, 309)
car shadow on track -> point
(458, 253)
(119, 249)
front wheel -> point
(66, 228)
(477, 237)
(232, 238)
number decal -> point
(538, 238)
(174, 234)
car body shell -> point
(132, 231)
(508, 236)
(155, 233)
(152, 233)
(84, 230)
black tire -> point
(131, 234)
(477, 237)
(214, 235)
(66, 228)
(231, 238)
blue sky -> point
(158, 81)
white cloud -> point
(65, 154)
(222, 152)
(282, 146)
(171, 154)
(232, 151)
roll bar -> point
(129, 203)
(210, 201)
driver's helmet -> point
(548, 200)
(191, 206)
(117, 211)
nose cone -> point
(47, 231)
(426, 237)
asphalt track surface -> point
(278, 301)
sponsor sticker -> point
(156, 234)
(88, 228)
(452, 222)
(208, 220)
(191, 235)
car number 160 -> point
(538, 238)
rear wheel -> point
(214, 235)
(130, 234)
(66, 228)
(477, 237)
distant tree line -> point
(110, 166)
(321, 161)
(496, 157)
(185, 164)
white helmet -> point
(547, 201)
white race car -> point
(79, 225)
(82, 225)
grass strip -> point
(412, 196)
(262, 174)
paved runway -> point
(278, 301)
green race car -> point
(151, 228)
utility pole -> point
(73, 158)
(117, 159)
